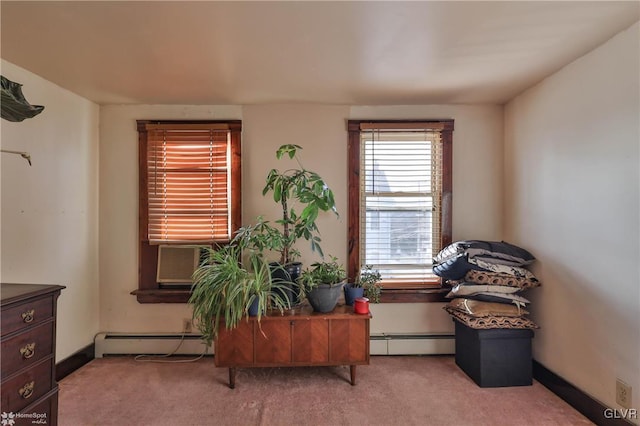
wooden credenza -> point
(300, 337)
(28, 344)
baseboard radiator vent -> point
(412, 344)
(191, 344)
(149, 343)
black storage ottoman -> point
(495, 357)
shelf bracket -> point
(22, 154)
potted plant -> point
(264, 237)
(370, 279)
(224, 289)
(302, 194)
(322, 284)
(367, 284)
(263, 292)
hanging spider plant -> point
(225, 286)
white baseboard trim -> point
(191, 344)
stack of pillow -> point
(486, 279)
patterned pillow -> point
(500, 278)
(477, 308)
(494, 267)
(499, 298)
(491, 322)
(468, 289)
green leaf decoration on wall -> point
(13, 104)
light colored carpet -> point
(399, 390)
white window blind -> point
(401, 195)
(188, 171)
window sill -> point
(162, 295)
(387, 296)
(432, 295)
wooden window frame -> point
(425, 292)
(149, 290)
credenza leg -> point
(232, 377)
(352, 369)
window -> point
(189, 182)
(400, 203)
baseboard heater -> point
(160, 344)
(149, 343)
(412, 344)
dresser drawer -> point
(26, 314)
(26, 388)
(27, 348)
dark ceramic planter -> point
(324, 297)
(289, 273)
(352, 293)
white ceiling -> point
(354, 53)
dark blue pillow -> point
(454, 268)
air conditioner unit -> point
(177, 263)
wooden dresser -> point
(29, 389)
(301, 337)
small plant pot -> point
(352, 293)
(361, 306)
(324, 297)
(254, 307)
(290, 274)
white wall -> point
(50, 210)
(321, 130)
(572, 199)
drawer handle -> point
(28, 316)
(28, 351)
(26, 391)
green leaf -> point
(288, 149)
(310, 213)
(277, 191)
(316, 248)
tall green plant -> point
(293, 188)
